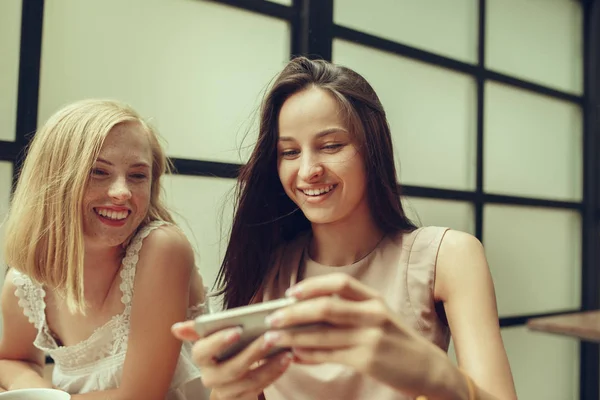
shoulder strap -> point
(31, 298)
(420, 271)
(131, 259)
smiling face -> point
(117, 196)
(319, 164)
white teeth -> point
(317, 192)
(111, 214)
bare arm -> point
(464, 284)
(21, 363)
(161, 297)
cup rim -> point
(64, 395)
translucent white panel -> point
(203, 208)
(535, 258)
(457, 215)
(284, 2)
(452, 353)
(532, 146)
(10, 41)
(445, 27)
(197, 68)
(543, 366)
(432, 113)
(5, 185)
(536, 40)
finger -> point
(234, 368)
(206, 349)
(256, 380)
(320, 356)
(185, 331)
(339, 284)
(330, 310)
(317, 338)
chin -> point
(319, 219)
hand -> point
(33, 381)
(243, 376)
(361, 332)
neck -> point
(347, 241)
(101, 266)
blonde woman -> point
(98, 269)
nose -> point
(119, 190)
(310, 168)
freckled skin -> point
(121, 177)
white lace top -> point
(97, 362)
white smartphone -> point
(250, 318)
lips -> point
(313, 192)
(112, 213)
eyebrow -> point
(319, 135)
(137, 164)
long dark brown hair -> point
(264, 216)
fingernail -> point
(177, 325)
(285, 361)
(233, 335)
(274, 320)
(271, 338)
(294, 291)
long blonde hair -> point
(44, 227)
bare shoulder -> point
(165, 256)
(9, 299)
(167, 237)
(457, 244)
(16, 342)
(167, 241)
(461, 262)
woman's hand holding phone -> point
(243, 375)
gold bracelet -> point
(470, 388)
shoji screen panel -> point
(196, 68)
(453, 214)
(203, 208)
(10, 39)
(284, 2)
(536, 40)
(533, 145)
(6, 170)
(431, 112)
(445, 28)
(535, 258)
(544, 366)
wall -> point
(197, 69)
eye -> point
(139, 176)
(289, 153)
(98, 172)
(333, 146)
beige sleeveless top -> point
(402, 269)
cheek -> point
(287, 178)
(142, 195)
(284, 171)
(356, 173)
(92, 192)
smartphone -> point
(250, 318)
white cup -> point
(35, 394)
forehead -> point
(310, 111)
(127, 141)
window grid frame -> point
(312, 33)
